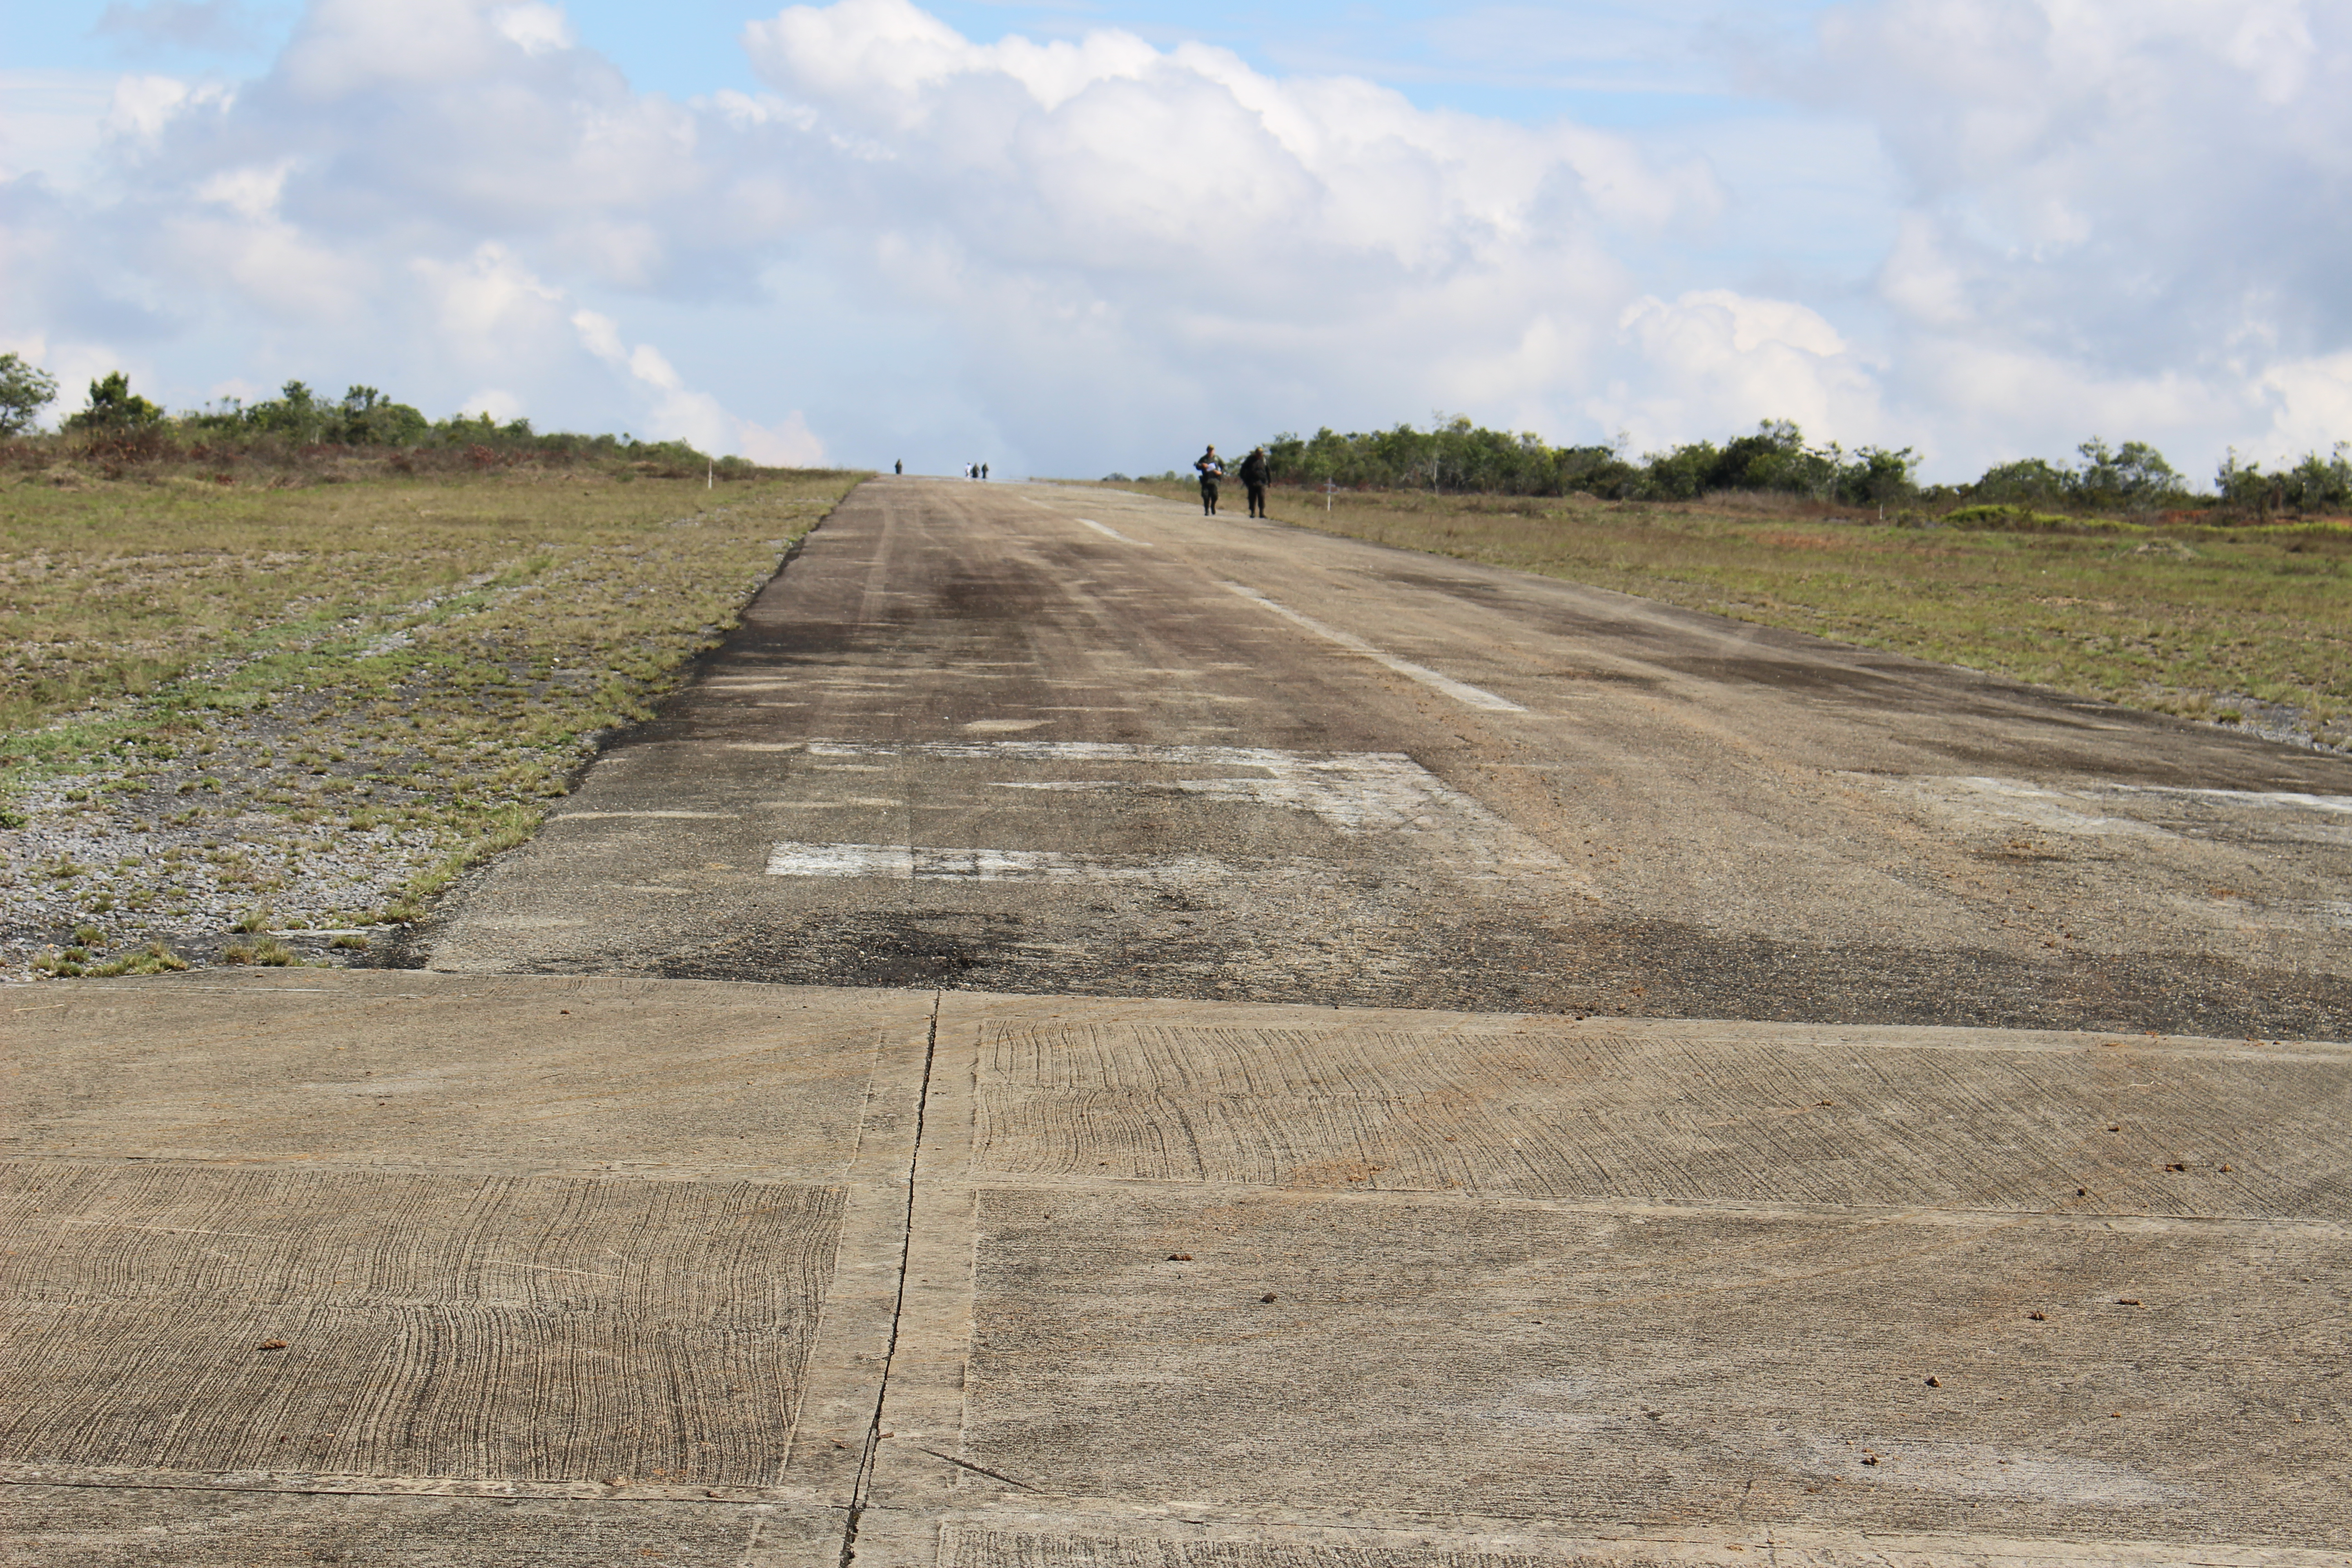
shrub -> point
(25, 390)
(114, 407)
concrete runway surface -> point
(1273, 1111)
(1060, 740)
(356, 1266)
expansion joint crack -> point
(860, 1492)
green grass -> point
(418, 663)
(2166, 615)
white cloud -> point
(501, 405)
(2310, 405)
(2052, 218)
(2124, 216)
(51, 122)
(677, 413)
(142, 106)
(1727, 361)
(491, 306)
(251, 192)
(534, 28)
(787, 444)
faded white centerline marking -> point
(1462, 691)
(600, 815)
(897, 862)
(1352, 792)
(1113, 533)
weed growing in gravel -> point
(325, 703)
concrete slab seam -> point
(863, 1484)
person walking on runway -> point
(1211, 470)
(1255, 473)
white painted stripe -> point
(1355, 792)
(791, 859)
(600, 815)
(2289, 799)
(1113, 533)
(898, 863)
(1461, 691)
(2340, 802)
(1111, 751)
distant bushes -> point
(2314, 484)
(1456, 456)
(298, 429)
(1453, 456)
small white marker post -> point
(710, 477)
(1328, 486)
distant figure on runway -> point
(899, 466)
(1255, 471)
(983, 470)
(1211, 471)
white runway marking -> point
(1113, 533)
(2339, 803)
(1461, 691)
(600, 815)
(1353, 792)
(896, 862)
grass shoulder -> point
(302, 711)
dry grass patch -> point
(305, 710)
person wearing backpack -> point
(1255, 471)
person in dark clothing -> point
(1255, 471)
(899, 466)
(1211, 471)
(983, 470)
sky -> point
(1078, 238)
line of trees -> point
(1456, 456)
(298, 417)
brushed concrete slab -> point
(144, 1527)
(780, 1278)
(1671, 1109)
(362, 1322)
(326, 1265)
(1071, 1543)
(436, 1072)
(1050, 1543)
(1376, 1287)
(1409, 1357)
